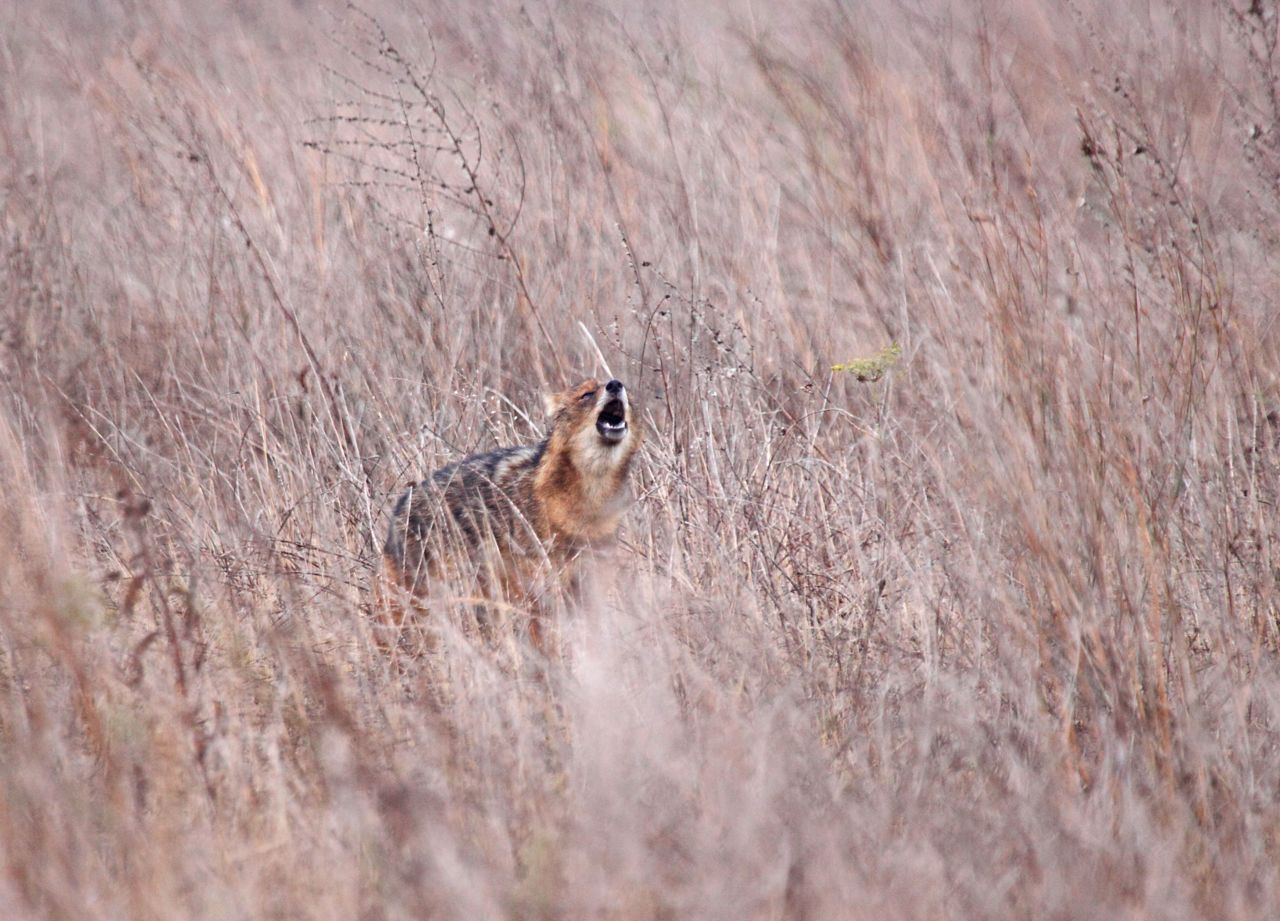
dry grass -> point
(989, 633)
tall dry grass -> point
(991, 636)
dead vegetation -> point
(987, 629)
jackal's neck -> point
(577, 503)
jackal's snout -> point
(611, 420)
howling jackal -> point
(511, 516)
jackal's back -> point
(481, 500)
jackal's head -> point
(581, 483)
(596, 424)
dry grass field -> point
(985, 625)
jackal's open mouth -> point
(612, 421)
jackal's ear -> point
(551, 403)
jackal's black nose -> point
(614, 386)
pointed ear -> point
(550, 403)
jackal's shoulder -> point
(475, 494)
(492, 468)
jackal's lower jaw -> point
(612, 422)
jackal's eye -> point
(591, 395)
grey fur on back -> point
(482, 497)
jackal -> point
(515, 518)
